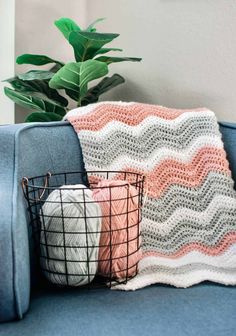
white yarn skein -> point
(76, 252)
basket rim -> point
(26, 180)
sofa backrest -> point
(228, 131)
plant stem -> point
(79, 102)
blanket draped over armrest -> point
(189, 218)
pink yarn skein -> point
(114, 248)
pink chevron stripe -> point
(190, 174)
(228, 240)
(104, 113)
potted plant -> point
(46, 92)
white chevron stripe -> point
(190, 276)
(163, 153)
(219, 202)
(136, 130)
(226, 259)
(185, 280)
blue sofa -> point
(33, 149)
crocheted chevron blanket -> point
(189, 218)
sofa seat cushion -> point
(206, 309)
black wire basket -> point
(75, 238)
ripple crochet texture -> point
(189, 219)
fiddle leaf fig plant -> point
(46, 93)
(76, 76)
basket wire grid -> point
(36, 191)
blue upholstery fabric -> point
(29, 150)
(204, 310)
(26, 150)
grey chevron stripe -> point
(185, 269)
(193, 225)
(189, 231)
(196, 199)
(156, 136)
(151, 138)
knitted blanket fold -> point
(189, 218)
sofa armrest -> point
(7, 291)
(26, 150)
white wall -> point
(7, 56)
(36, 33)
(188, 46)
(188, 49)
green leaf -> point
(34, 101)
(37, 86)
(72, 94)
(56, 67)
(91, 28)
(36, 74)
(43, 117)
(111, 59)
(76, 76)
(86, 44)
(35, 59)
(106, 50)
(50, 105)
(105, 85)
(66, 26)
